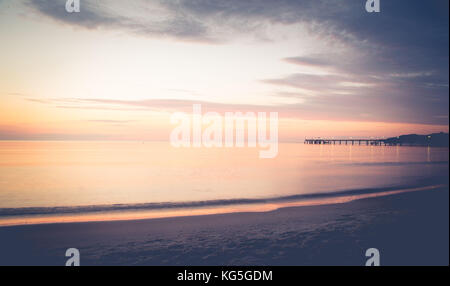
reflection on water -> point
(90, 173)
(49, 174)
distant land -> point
(434, 140)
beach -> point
(408, 229)
(224, 133)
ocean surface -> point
(62, 181)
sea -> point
(77, 181)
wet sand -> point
(408, 229)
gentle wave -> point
(5, 212)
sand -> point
(408, 229)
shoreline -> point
(403, 226)
(268, 206)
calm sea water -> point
(47, 178)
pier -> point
(433, 140)
(375, 142)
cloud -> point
(307, 61)
(322, 83)
(326, 106)
(395, 66)
(407, 36)
(89, 18)
(162, 105)
(108, 15)
(110, 121)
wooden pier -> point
(375, 142)
(434, 139)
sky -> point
(118, 69)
